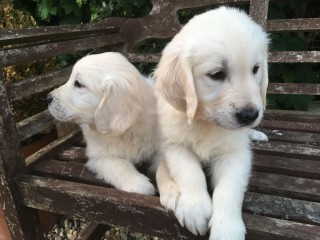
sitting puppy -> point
(211, 84)
(115, 108)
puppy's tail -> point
(168, 189)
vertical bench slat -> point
(23, 223)
(259, 11)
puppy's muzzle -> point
(49, 98)
(247, 116)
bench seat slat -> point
(288, 186)
(281, 185)
(265, 228)
(308, 127)
(303, 151)
(113, 207)
(73, 154)
(287, 166)
(293, 116)
(262, 161)
(282, 208)
(34, 124)
(292, 137)
(104, 205)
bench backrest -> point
(23, 46)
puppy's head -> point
(216, 69)
(102, 91)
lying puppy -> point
(211, 84)
(115, 108)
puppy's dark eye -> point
(255, 69)
(217, 76)
(78, 84)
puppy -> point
(211, 84)
(115, 108)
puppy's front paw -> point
(193, 211)
(255, 135)
(139, 184)
(169, 196)
(226, 228)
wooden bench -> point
(283, 199)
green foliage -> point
(58, 12)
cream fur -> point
(115, 108)
(197, 119)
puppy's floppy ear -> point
(264, 82)
(175, 83)
(116, 111)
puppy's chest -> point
(211, 146)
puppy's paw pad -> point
(255, 135)
(224, 228)
(193, 211)
(169, 197)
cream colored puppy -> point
(211, 84)
(115, 108)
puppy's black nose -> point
(247, 116)
(49, 98)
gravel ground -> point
(68, 229)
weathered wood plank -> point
(23, 223)
(35, 124)
(259, 11)
(144, 58)
(294, 88)
(287, 166)
(308, 127)
(44, 51)
(265, 228)
(292, 116)
(282, 185)
(27, 87)
(103, 205)
(302, 24)
(294, 57)
(70, 171)
(287, 186)
(292, 137)
(72, 154)
(303, 151)
(54, 146)
(282, 208)
(109, 206)
(49, 33)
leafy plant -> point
(57, 12)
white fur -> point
(115, 109)
(197, 119)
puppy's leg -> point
(193, 209)
(168, 189)
(121, 174)
(230, 177)
(255, 135)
